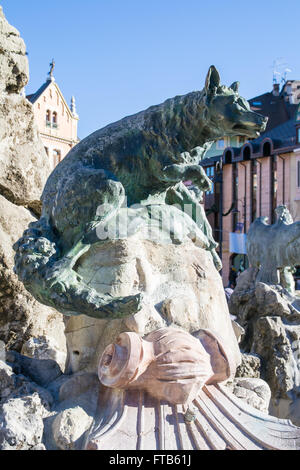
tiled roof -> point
(283, 135)
(276, 108)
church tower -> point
(57, 122)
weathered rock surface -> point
(24, 168)
(24, 404)
(21, 316)
(21, 423)
(41, 371)
(250, 366)
(24, 165)
(13, 61)
(69, 426)
(271, 318)
(43, 347)
(253, 391)
(15, 385)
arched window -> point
(54, 119)
(228, 156)
(48, 118)
(267, 149)
(246, 153)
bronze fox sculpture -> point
(146, 157)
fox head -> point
(228, 113)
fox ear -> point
(235, 86)
(212, 80)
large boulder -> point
(21, 423)
(14, 384)
(69, 427)
(13, 61)
(21, 316)
(253, 391)
(24, 165)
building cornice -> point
(59, 139)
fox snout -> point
(250, 124)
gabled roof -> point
(33, 97)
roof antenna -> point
(284, 78)
(276, 66)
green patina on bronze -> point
(144, 157)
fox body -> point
(144, 157)
(144, 154)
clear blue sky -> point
(120, 56)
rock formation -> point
(24, 168)
(271, 319)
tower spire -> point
(50, 74)
(73, 107)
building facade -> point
(250, 181)
(57, 122)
